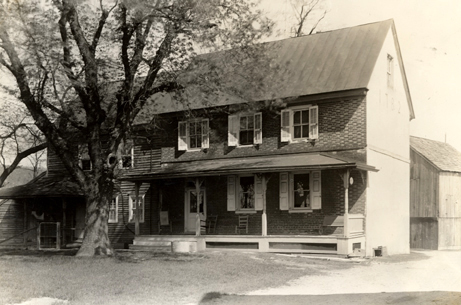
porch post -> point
(137, 205)
(346, 203)
(264, 216)
(197, 215)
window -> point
(126, 154)
(300, 191)
(245, 129)
(113, 210)
(299, 124)
(193, 135)
(132, 208)
(244, 193)
(390, 71)
(84, 158)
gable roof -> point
(325, 62)
(442, 155)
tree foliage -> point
(84, 70)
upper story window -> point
(390, 71)
(193, 135)
(299, 124)
(124, 155)
(84, 158)
(113, 210)
(245, 129)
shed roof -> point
(325, 62)
(43, 187)
(259, 164)
(442, 155)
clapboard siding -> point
(449, 233)
(424, 183)
(11, 222)
(54, 164)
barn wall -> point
(450, 211)
(424, 189)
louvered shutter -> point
(285, 123)
(313, 122)
(233, 125)
(258, 133)
(182, 135)
(231, 180)
(259, 202)
(141, 207)
(284, 191)
(205, 134)
(130, 209)
(316, 190)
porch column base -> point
(346, 244)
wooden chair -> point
(211, 223)
(243, 224)
(164, 221)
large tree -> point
(68, 56)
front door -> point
(191, 208)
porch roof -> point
(274, 163)
(56, 186)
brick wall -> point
(341, 127)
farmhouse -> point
(319, 165)
(435, 198)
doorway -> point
(191, 204)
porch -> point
(324, 244)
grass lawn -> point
(146, 278)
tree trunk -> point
(96, 238)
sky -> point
(429, 33)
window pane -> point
(297, 132)
(126, 161)
(192, 128)
(297, 117)
(301, 191)
(204, 127)
(305, 116)
(193, 142)
(243, 122)
(246, 137)
(251, 122)
(198, 128)
(247, 192)
(305, 131)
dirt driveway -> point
(420, 271)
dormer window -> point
(390, 71)
(245, 129)
(193, 134)
(299, 124)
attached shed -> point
(435, 195)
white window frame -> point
(83, 155)
(287, 124)
(234, 129)
(233, 194)
(132, 208)
(113, 206)
(390, 71)
(239, 191)
(287, 192)
(123, 153)
(184, 135)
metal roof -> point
(442, 155)
(292, 162)
(43, 187)
(325, 62)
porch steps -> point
(162, 249)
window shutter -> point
(284, 191)
(285, 116)
(205, 134)
(182, 135)
(231, 192)
(258, 134)
(141, 206)
(316, 190)
(130, 209)
(233, 122)
(313, 122)
(259, 202)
